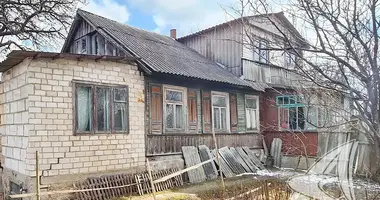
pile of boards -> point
(232, 161)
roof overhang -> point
(17, 56)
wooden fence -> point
(172, 143)
(330, 140)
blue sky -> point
(186, 16)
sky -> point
(187, 16)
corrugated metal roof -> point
(279, 15)
(17, 56)
(164, 54)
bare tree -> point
(34, 23)
(341, 54)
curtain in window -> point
(102, 108)
(84, 111)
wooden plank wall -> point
(172, 144)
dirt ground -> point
(191, 191)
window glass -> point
(218, 101)
(120, 116)
(294, 115)
(84, 108)
(179, 116)
(173, 95)
(169, 116)
(174, 108)
(251, 103)
(121, 95)
(103, 108)
(220, 113)
(109, 114)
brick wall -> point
(39, 117)
(14, 118)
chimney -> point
(173, 33)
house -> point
(113, 97)
(243, 47)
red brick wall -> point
(294, 143)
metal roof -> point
(280, 15)
(163, 54)
(17, 56)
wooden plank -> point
(227, 156)
(209, 168)
(240, 159)
(226, 170)
(276, 151)
(191, 157)
(253, 158)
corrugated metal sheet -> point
(222, 45)
(163, 54)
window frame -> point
(228, 122)
(297, 105)
(93, 118)
(247, 96)
(257, 55)
(184, 104)
(290, 62)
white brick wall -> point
(14, 117)
(50, 119)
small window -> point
(261, 52)
(220, 112)
(252, 112)
(290, 60)
(174, 108)
(101, 108)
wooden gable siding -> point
(95, 43)
(222, 45)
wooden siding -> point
(241, 112)
(222, 45)
(95, 43)
(171, 144)
(268, 74)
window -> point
(174, 109)
(252, 112)
(220, 112)
(261, 53)
(290, 60)
(101, 108)
(295, 115)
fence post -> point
(37, 176)
(151, 179)
(218, 160)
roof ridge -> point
(227, 22)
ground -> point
(272, 184)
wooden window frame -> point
(249, 96)
(257, 55)
(93, 86)
(184, 104)
(228, 122)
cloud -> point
(110, 9)
(187, 16)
